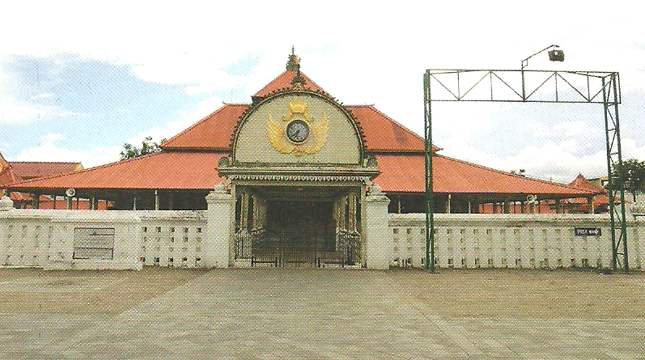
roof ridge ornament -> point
(294, 61)
(298, 82)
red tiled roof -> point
(581, 183)
(36, 169)
(283, 81)
(16, 196)
(384, 134)
(600, 201)
(399, 156)
(399, 173)
(165, 170)
(405, 173)
(8, 176)
(214, 132)
(3, 162)
(211, 133)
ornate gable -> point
(298, 126)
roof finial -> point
(294, 61)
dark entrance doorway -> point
(297, 226)
(305, 230)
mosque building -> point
(299, 163)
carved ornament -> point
(298, 132)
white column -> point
(377, 232)
(220, 217)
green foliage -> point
(633, 172)
(147, 147)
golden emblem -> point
(298, 132)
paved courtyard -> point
(337, 314)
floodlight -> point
(556, 55)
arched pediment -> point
(298, 127)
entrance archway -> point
(298, 226)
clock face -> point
(298, 131)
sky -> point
(80, 79)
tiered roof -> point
(189, 160)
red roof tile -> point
(581, 183)
(405, 173)
(214, 132)
(3, 163)
(384, 134)
(283, 81)
(211, 133)
(36, 169)
(8, 176)
(166, 170)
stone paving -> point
(335, 314)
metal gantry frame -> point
(533, 86)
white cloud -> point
(17, 112)
(50, 138)
(187, 119)
(18, 108)
(47, 150)
(51, 149)
(43, 96)
(568, 129)
(549, 161)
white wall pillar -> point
(378, 239)
(5, 203)
(220, 217)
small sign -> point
(94, 243)
(587, 231)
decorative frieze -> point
(295, 177)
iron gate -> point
(289, 249)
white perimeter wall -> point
(43, 238)
(511, 241)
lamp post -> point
(554, 55)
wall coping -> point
(503, 220)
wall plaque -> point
(94, 243)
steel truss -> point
(533, 86)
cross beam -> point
(533, 86)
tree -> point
(633, 172)
(147, 147)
